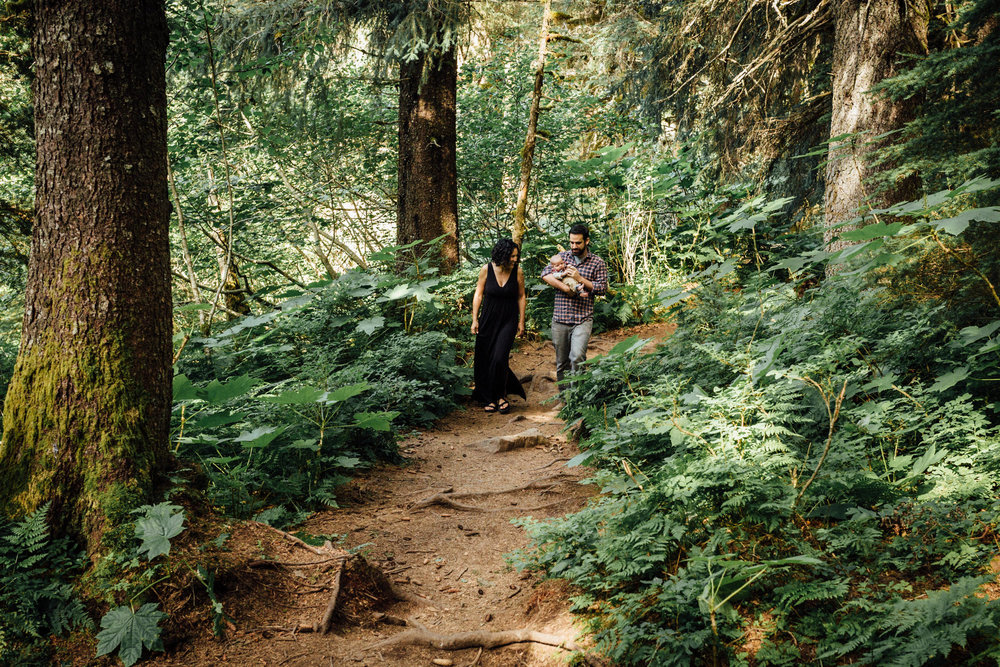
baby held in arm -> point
(560, 270)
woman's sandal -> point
(503, 406)
(490, 407)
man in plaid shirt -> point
(573, 318)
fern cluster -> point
(814, 468)
(36, 594)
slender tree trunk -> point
(427, 203)
(528, 152)
(233, 296)
(87, 412)
(185, 250)
(870, 38)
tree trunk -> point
(87, 413)
(869, 40)
(528, 152)
(427, 203)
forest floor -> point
(445, 553)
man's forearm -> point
(558, 284)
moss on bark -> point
(75, 432)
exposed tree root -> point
(284, 563)
(324, 625)
(447, 497)
(325, 550)
(332, 554)
(482, 639)
(552, 462)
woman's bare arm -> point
(522, 301)
(477, 300)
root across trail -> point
(481, 639)
(427, 542)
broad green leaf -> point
(155, 529)
(221, 460)
(765, 364)
(259, 437)
(349, 391)
(184, 389)
(349, 462)
(929, 458)
(312, 445)
(217, 392)
(377, 421)
(627, 345)
(130, 631)
(217, 419)
(957, 224)
(399, 292)
(371, 324)
(300, 396)
(579, 459)
(873, 231)
(950, 379)
(970, 335)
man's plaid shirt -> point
(576, 309)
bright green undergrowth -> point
(280, 409)
(804, 473)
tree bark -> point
(528, 152)
(87, 413)
(870, 38)
(427, 203)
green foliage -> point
(813, 464)
(124, 575)
(955, 135)
(130, 631)
(158, 524)
(36, 593)
(301, 397)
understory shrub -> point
(802, 473)
(279, 409)
(37, 598)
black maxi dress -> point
(497, 329)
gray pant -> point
(570, 341)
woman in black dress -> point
(500, 292)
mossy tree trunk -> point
(870, 41)
(87, 411)
(427, 203)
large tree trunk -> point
(528, 152)
(87, 413)
(427, 204)
(869, 40)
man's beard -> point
(577, 251)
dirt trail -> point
(448, 558)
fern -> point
(36, 597)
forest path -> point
(450, 558)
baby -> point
(560, 268)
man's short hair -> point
(580, 229)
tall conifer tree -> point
(87, 411)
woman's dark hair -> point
(502, 251)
